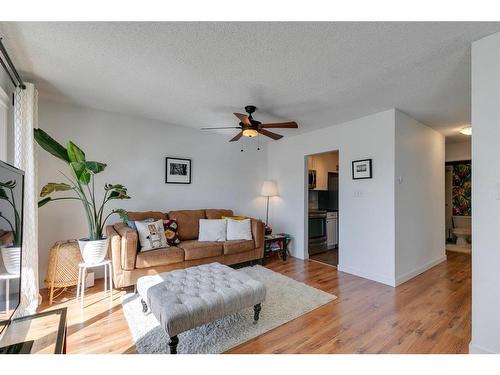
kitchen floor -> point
(330, 257)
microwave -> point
(312, 179)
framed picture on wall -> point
(177, 171)
(361, 169)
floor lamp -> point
(269, 189)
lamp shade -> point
(269, 189)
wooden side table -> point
(276, 244)
(43, 333)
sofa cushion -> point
(238, 246)
(140, 216)
(159, 257)
(188, 222)
(212, 213)
(194, 249)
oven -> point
(317, 239)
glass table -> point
(45, 333)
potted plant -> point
(81, 182)
(11, 253)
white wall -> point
(419, 196)
(366, 222)
(458, 151)
(135, 151)
(486, 195)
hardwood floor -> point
(428, 314)
(330, 257)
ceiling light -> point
(250, 133)
(467, 130)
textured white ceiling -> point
(197, 74)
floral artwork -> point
(462, 175)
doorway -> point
(323, 207)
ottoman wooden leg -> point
(256, 312)
(172, 344)
(144, 306)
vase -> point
(11, 257)
(93, 251)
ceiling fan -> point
(249, 127)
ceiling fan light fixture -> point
(250, 133)
(467, 130)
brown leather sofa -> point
(129, 264)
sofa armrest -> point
(128, 245)
(258, 233)
(114, 249)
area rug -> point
(286, 300)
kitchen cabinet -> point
(322, 164)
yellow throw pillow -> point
(235, 217)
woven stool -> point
(62, 271)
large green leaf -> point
(52, 187)
(123, 214)
(95, 166)
(50, 145)
(75, 153)
(80, 172)
(108, 187)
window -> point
(4, 109)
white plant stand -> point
(82, 272)
(7, 277)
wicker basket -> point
(62, 271)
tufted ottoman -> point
(184, 299)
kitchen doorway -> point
(323, 207)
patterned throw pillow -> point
(171, 227)
(151, 235)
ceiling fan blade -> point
(236, 137)
(225, 127)
(243, 118)
(270, 134)
(283, 125)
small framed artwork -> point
(361, 169)
(177, 171)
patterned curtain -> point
(462, 175)
(25, 119)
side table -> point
(276, 244)
(82, 272)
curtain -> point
(25, 120)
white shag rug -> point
(286, 300)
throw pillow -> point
(239, 229)
(151, 235)
(170, 227)
(235, 217)
(131, 223)
(212, 230)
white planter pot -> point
(93, 252)
(11, 257)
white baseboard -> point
(366, 275)
(410, 275)
(476, 349)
